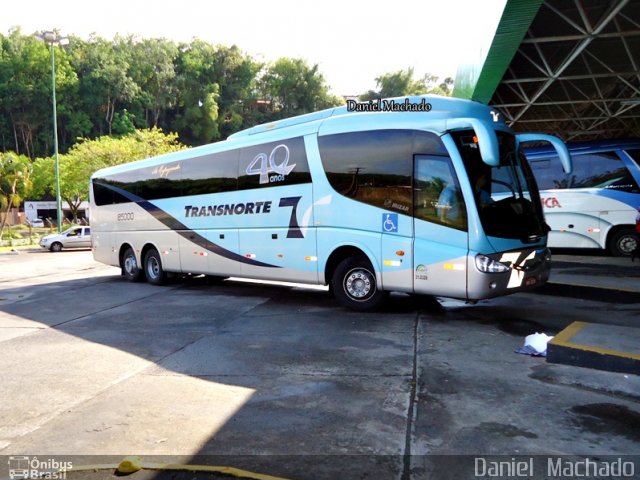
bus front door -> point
(440, 226)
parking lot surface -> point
(281, 380)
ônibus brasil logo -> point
(268, 164)
(27, 468)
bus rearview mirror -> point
(487, 139)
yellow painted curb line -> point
(563, 339)
(134, 464)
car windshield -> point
(506, 196)
(68, 230)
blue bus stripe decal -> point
(198, 239)
(183, 230)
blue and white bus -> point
(594, 206)
(366, 198)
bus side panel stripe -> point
(176, 225)
(184, 231)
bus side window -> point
(549, 173)
(375, 167)
(437, 194)
(602, 170)
(102, 195)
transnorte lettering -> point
(227, 209)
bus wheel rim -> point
(627, 244)
(130, 264)
(153, 267)
(358, 284)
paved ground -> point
(279, 379)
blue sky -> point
(352, 41)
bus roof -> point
(445, 113)
(441, 108)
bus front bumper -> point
(528, 269)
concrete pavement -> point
(281, 380)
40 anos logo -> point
(277, 162)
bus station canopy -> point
(569, 68)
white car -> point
(74, 237)
(35, 223)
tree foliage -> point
(84, 158)
(25, 93)
(113, 87)
(402, 82)
(15, 183)
(293, 87)
(116, 97)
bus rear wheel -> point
(153, 268)
(623, 242)
(130, 266)
(354, 285)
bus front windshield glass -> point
(506, 196)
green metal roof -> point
(478, 79)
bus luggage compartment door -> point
(279, 254)
(213, 252)
(397, 252)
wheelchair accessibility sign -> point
(389, 222)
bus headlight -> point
(488, 265)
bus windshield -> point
(506, 196)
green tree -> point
(402, 83)
(294, 88)
(15, 182)
(25, 92)
(84, 158)
(196, 115)
(203, 92)
(105, 83)
(235, 73)
(152, 68)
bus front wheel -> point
(354, 285)
(153, 268)
(623, 242)
(130, 266)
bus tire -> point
(623, 242)
(130, 266)
(153, 268)
(354, 285)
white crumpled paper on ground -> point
(535, 344)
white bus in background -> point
(595, 206)
(367, 198)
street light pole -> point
(53, 39)
(55, 138)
